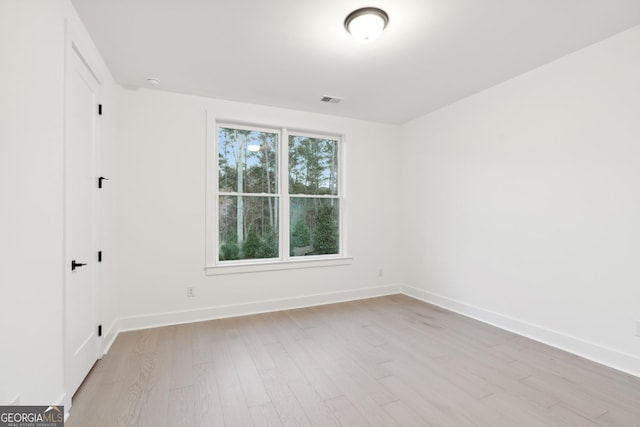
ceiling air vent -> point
(331, 99)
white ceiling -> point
(289, 53)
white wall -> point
(522, 203)
(161, 233)
(32, 46)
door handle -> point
(75, 264)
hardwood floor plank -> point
(87, 411)
(619, 417)
(493, 379)
(595, 384)
(117, 367)
(303, 317)
(201, 342)
(285, 402)
(234, 405)
(342, 369)
(404, 415)
(254, 391)
(146, 395)
(318, 413)
(360, 344)
(181, 410)
(182, 356)
(568, 394)
(265, 416)
(521, 412)
(131, 342)
(312, 371)
(431, 415)
(571, 417)
(446, 397)
(136, 394)
(207, 403)
(366, 393)
(251, 329)
(347, 413)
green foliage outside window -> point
(249, 203)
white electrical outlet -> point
(191, 292)
(380, 272)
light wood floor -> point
(390, 361)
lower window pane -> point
(248, 227)
(314, 226)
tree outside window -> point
(314, 208)
(248, 194)
(250, 177)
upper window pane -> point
(247, 161)
(313, 166)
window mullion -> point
(228, 193)
(284, 195)
(212, 195)
(342, 220)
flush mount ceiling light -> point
(367, 23)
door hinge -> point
(99, 109)
(99, 330)
(99, 256)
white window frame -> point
(213, 266)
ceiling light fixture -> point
(367, 23)
(254, 147)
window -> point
(247, 193)
(274, 197)
(314, 203)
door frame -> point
(75, 46)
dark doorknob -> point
(75, 264)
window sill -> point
(256, 267)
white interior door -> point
(81, 340)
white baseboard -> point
(108, 337)
(233, 310)
(64, 400)
(589, 350)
